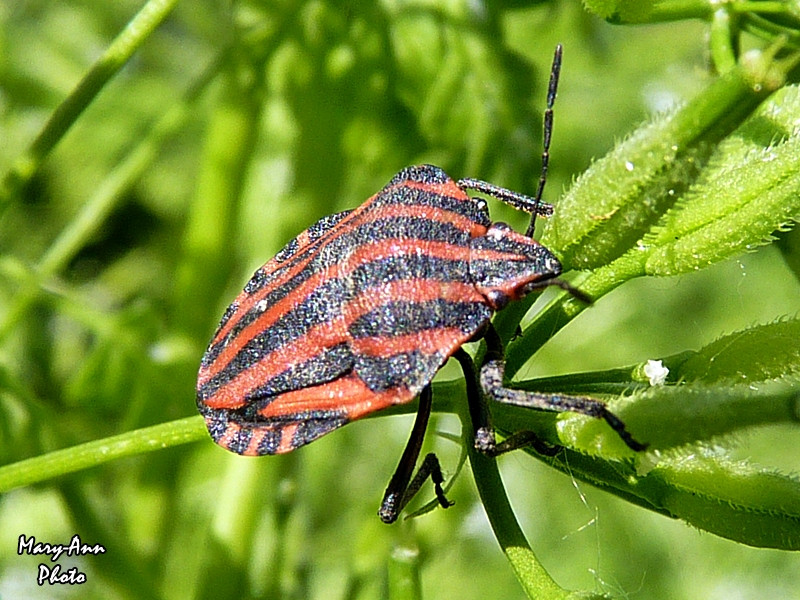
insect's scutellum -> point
(360, 311)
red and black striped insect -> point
(360, 311)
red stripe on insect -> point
(430, 213)
(287, 433)
(427, 341)
(409, 290)
(230, 435)
(234, 393)
(304, 238)
(348, 393)
(394, 248)
(449, 189)
(256, 439)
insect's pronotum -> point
(360, 311)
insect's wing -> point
(280, 271)
(284, 331)
(402, 333)
(356, 314)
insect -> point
(360, 311)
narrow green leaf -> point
(745, 196)
(732, 499)
(621, 195)
(753, 355)
(649, 11)
(113, 59)
(670, 416)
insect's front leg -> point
(491, 381)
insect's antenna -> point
(552, 88)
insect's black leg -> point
(491, 378)
(519, 201)
(402, 487)
(484, 439)
(478, 411)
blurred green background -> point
(233, 128)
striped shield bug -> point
(360, 311)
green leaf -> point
(753, 355)
(648, 11)
(671, 416)
(747, 379)
(732, 499)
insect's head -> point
(505, 265)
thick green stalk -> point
(532, 575)
(206, 260)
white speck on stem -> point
(656, 372)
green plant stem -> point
(562, 309)
(90, 454)
(531, 574)
(722, 40)
(533, 577)
(403, 577)
(761, 6)
(118, 53)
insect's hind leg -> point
(491, 381)
(402, 487)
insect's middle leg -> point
(491, 381)
(484, 440)
(402, 487)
